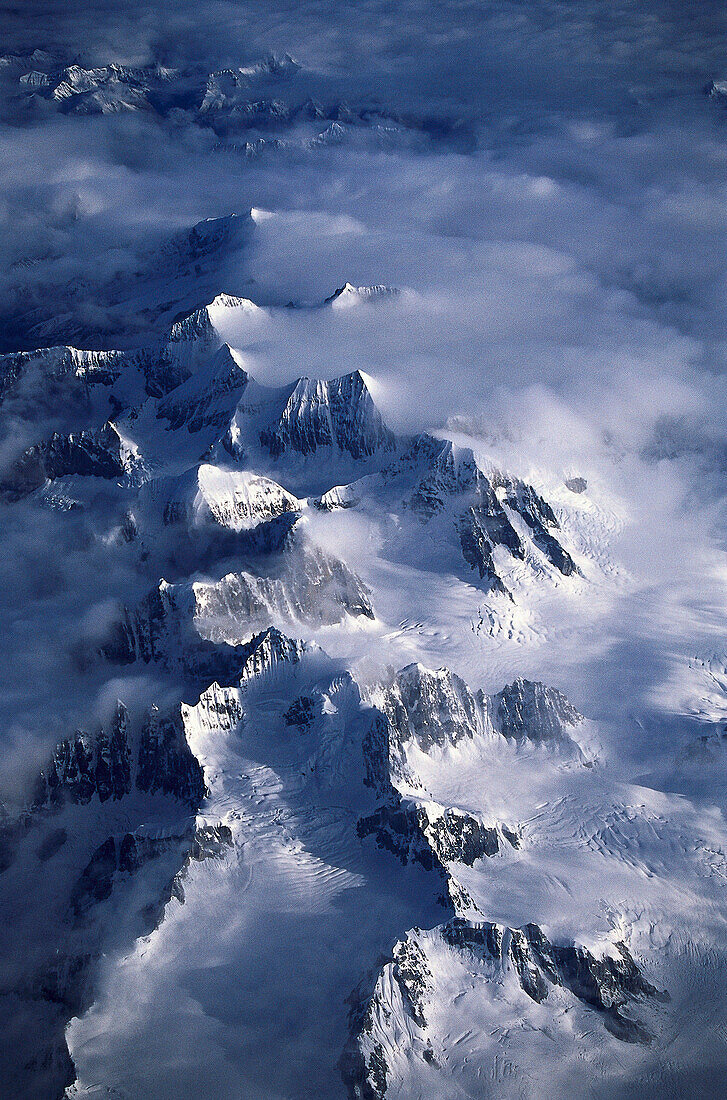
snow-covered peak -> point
(240, 499)
(717, 89)
(104, 367)
(205, 396)
(193, 338)
(200, 323)
(339, 414)
(271, 65)
(237, 500)
(266, 651)
(349, 295)
(227, 89)
(206, 237)
(485, 979)
(442, 485)
(35, 79)
(38, 58)
(433, 707)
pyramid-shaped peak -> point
(199, 324)
(339, 413)
(266, 651)
(204, 239)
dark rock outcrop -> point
(396, 827)
(607, 984)
(84, 766)
(97, 879)
(414, 833)
(432, 707)
(86, 453)
(529, 710)
(166, 763)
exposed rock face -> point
(89, 454)
(411, 972)
(576, 484)
(437, 708)
(129, 853)
(144, 634)
(207, 842)
(203, 243)
(82, 767)
(717, 90)
(210, 842)
(607, 984)
(161, 630)
(458, 837)
(62, 365)
(97, 880)
(339, 414)
(505, 945)
(113, 770)
(313, 587)
(390, 1015)
(198, 626)
(64, 986)
(301, 713)
(433, 835)
(442, 485)
(397, 828)
(166, 763)
(402, 989)
(196, 403)
(541, 520)
(442, 471)
(194, 345)
(432, 708)
(218, 708)
(265, 651)
(475, 536)
(484, 523)
(230, 101)
(107, 89)
(324, 740)
(532, 711)
(384, 758)
(232, 499)
(227, 90)
(190, 358)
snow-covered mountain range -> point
(363, 687)
(434, 827)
